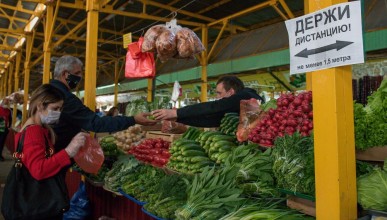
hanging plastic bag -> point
(149, 44)
(250, 115)
(90, 157)
(171, 127)
(188, 44)
(139, 64)
(79, 205)
(176, 92)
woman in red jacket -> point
(44, 109)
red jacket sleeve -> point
(34, 158)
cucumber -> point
(193, 153)
(219, 144)
(187, 133)
(223, 156)
(180, 158)
(208, 134)
(225, 148)
(231, 114)
(191, 146)
(182, 141)
(215, 156)
(196, 159)
(200, 165)
(223, 137)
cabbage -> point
(372, 189)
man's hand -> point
(142, 119)
(165, 114)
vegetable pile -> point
(187, 156)
(293, 166)
(266, 212)
(126, 138)
(255, 175)
(372, 189)
(120, 171)
(218, 146)
(371, 121)
(169, 198)
(293, 113)
(192, 133)
(142, 183)
(153, 151)
(109, 146)
(229, 123)
(211, 195)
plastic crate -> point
(131, 198)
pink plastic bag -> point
(90, 157)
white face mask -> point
(51, 118)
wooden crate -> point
(156, 127)
(372, 154)
(164, 136)
(302, 205)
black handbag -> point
(24, 197)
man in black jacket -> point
(229, 90)
(74, 115)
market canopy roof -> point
(118, 17)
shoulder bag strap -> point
(19, 149)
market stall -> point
(263, 158)
(271, 160)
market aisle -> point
(5, 166)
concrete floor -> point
(5, 166)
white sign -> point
(326, 38)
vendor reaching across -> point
(75, 116)
(229, 92)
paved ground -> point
(4, 169)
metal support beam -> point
(10, 76)
(225, 22)
(308, 75)
(149, 97)
(47, 42)
(16, 88)
(5, 82)
(287, 9)
(279, 11)
(334, 142)
(146, 16)
(18, 31)
(279, 80)
(116, 76)
(81, 24)
(244, 12)
(203, 95)
(92, 8)
(29, 44)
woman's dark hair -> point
(231, 82)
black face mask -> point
(73, 80)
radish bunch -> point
(293, 113)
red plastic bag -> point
(139, 64)
(90, 157)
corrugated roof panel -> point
(373, 22)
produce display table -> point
(105, 203)
(372, 154)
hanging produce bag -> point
(139, 64)
(90, 157)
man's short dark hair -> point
(231, 82)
